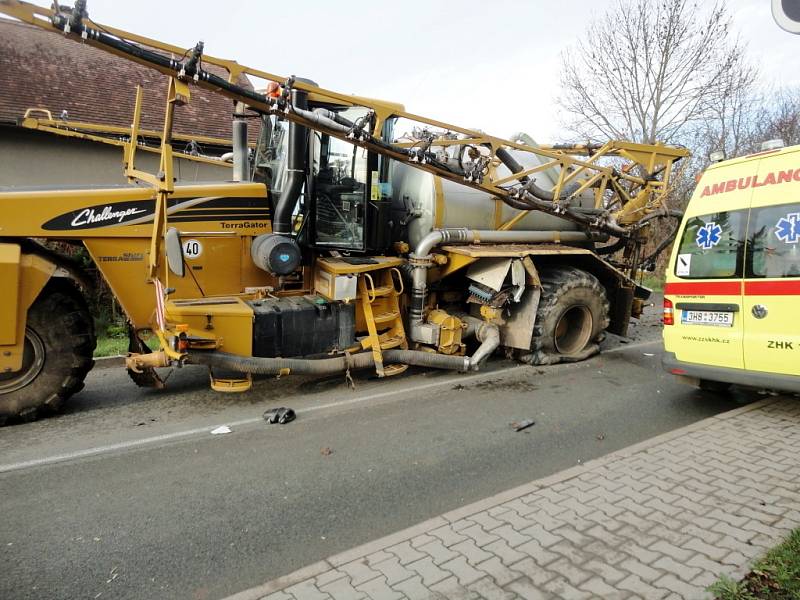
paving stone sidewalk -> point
(661, 519)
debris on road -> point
(648, 353)
(524, 424)
(326, 451)
(221, 429)
(280, 415)
(601, 437)
(113, 575)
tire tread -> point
(62, 306)
(555, 282)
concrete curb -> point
(276, 585)
(108, 362)
(457, 514)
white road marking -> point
(233, 425)
(629, 346)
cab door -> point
(771, 306)
(704, 287)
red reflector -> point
(273, 90)
(669, 313)
(677, 371)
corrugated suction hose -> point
(322, 366)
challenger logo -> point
(230, 213)
(102, 215)
(88, 215)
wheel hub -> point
(573, 330)
(32, 362)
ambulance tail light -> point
(669, 313)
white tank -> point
(414, 191)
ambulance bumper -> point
(757, 379)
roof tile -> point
(42, 70)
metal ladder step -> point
(391, 341)
(385, 317)
(382, 290)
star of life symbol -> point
(709, 235)
(787, 229)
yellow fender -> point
(23, 276)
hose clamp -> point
(421, 261)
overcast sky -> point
(489, 65)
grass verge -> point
(110, 346)
(774, 577)
(112, 340)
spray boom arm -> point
(629, 189)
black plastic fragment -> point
(280, 415)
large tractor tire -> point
(571, 318)
(59, 343)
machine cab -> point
(342, 201)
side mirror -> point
(174, 250)
(787, 15)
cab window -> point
(774, 241)
(712, 246)
(340, 172)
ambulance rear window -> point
(712, 246)
(774, 241)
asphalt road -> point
(128, 495)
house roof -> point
(43, 70)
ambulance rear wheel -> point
(59, 343)
(571, 317)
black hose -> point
(295, 170)
(605, 250)
(530, 184)
(548, 195)
(426, 359)
(649, 261)
(518, 204)
(509, 161)
(322, 366)
(671, 214)
(274, 366)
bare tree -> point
(742, 116)
(731, 108)
(646, 69)
(779, 117)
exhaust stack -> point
(241, 158)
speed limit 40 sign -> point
(192, 248)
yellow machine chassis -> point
(629, 181)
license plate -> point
(707, 317)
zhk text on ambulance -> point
(732, 293)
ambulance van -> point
(732, 291)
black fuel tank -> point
(301, 326)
